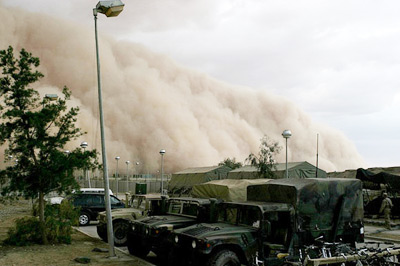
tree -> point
(265, 161)
(231, 163)
(36, 131)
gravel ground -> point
(49, 255)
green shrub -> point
(59, 220)
(26, 232)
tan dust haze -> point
(151, 103)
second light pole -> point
(287, 134)
(84, 145)
(162, 152)
(116, 175)
(127, 175)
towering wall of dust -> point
(152, 103)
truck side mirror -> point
(267, 227)
(163, 204)
(213, 210)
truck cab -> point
(150, 233)
(140, 205)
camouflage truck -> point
(140, 205)
(150, 233)
(276, 224)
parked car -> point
(90, 204)
(140, 206)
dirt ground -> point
(49, 255)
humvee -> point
(274, 226)
(150, 233)
(140, 205)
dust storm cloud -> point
(152, 103)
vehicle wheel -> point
(120, 233)
(136, 247)
(102, 233)
(224, 258)
(84, 219)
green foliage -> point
(36, 131)
(59, 220)
(26, 232)
(265, 161)
(231, 163)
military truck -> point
(140, 205)
(276, 224)
(150, 233)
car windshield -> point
(183, 207)
(240, 215)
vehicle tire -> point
(224, 258)
(102, 232)
(84, 219)
(120, 233)
(137, 248)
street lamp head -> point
(127, 162)
(117, 158)
(287, 133)
(109, 8)
(51, 97)
(84, 144)
(162, 152)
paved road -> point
(90, 230)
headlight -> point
(176, 239)
(194, 244)
(133, 227)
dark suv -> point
(91, 204)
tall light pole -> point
(127, 175)
(162, 152)
(116, 174)
(84, 145)
(286, 134)
(137, 172)
(110, 9)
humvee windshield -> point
(240, 215)
(183, 207)
(138, 203)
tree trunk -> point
(41, 218)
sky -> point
(338, 61)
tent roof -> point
(279, 167)
(199, 170)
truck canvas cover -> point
(317, 202)
(226, 189)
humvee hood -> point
(166, 219)
(216, 229)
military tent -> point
(295, 170)
(373, 180)
(181, 182)
(226, 189)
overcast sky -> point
(338, 60)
